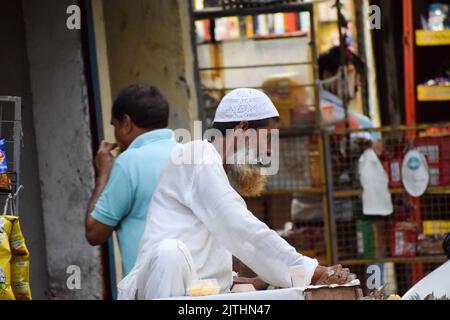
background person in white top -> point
(197, 220)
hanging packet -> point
(20, 263)
(415, 173)
(5, 181)
(6, 292)
(376, 197)
(3, 162)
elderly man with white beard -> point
(198, 220)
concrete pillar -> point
(63, 137)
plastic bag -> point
(415, 174)
(205, 287)
(6, 292)
(375, 182)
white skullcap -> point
(245, 104)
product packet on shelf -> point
(3, 162)
(20, 277)
(5, 181)
(20, 264)
(6, 292)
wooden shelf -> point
(432, 38)
(358, 192)
(350, 193)
(287, 35)
(422, 259)
(333, 21)
(291, 191)
(433, 93)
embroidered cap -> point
(245, 104)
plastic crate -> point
(439, 174)
(435, 149)
(393, 168)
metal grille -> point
(394, 251)
(407, 244)
(11, 131)
(294, 172)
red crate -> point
(435, 149)
(439, 174)
(395, 172)
(393, 168)
(403, 239)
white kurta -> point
(195, 204)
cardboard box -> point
(338, 293)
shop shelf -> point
(424, 259)
(291, 191)
(433, 93)
(432, 38)
(358, 192)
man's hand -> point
(104, 159)
(257, 282)
(96, 232)
(332, 275)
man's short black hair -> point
(145, 105)
(331, 61)
(255, 124)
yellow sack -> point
(20, 263)
(6, 292)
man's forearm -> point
(100, 184)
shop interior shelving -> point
(431, 41)
(337, 241)
(426, 56)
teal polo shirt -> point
(124, 202)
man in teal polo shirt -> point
(124, 186)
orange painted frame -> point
(409, 72)
(410, 100)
